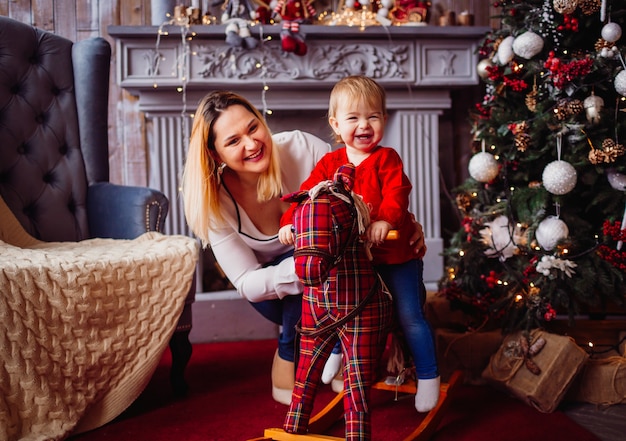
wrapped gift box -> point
(602, 381)
(466, 351)
(438, 313)
(538, 369)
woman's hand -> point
(417, 239)
(285, 235)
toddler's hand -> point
(377, 231)
(285, 235)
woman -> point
(234, 176)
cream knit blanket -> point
(83, 326)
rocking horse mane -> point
(341, 187)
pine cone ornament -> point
(531, 100)
(574, 107)
(565, 6)
(561, 110)
(522, 141)
(596, 156)
(463, 202)
(602, 44)
(589, 7)
(612, 150)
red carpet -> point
(230, 400)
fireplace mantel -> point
(417, 65)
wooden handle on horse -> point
(392, 235)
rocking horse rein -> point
(310, 251)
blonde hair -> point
(201, 175)
(355, 88)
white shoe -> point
(283, 379)
(331, 368)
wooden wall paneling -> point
(19, 10)
(65, 19)
(128, 143)
(42, 14)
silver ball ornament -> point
(527, 45)
(559, 177)
(620, 83)
(611, 32)
(483, 167)
(616, 180)
(550, 231)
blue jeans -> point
(286, 313)
(406, 283)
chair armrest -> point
(124, 212)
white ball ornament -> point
(483, 167)
(611, 32)
(620, 83)
(505, 50)
(527, 45)
(559, 177)
(550, 231)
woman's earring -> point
(220, 170)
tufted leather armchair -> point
(54, 158)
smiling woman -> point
(232, 183)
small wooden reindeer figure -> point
(343, 300)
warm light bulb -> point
(518, 297)
(461, 253)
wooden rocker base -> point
(326, 417)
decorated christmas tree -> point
(543, 212)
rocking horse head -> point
(328, 222)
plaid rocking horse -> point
(343, 300)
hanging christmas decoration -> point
(501, 238)
(620, 83)
(559, 177)
(593, 105)
(482, 68)
(589, 7)
(527, 45)
(551, 231)
(505, 53)
(531, 97)
(616, 180)
(606, 49)
(565, 6)
(612, 150)
(611, 32)
(483, 166)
